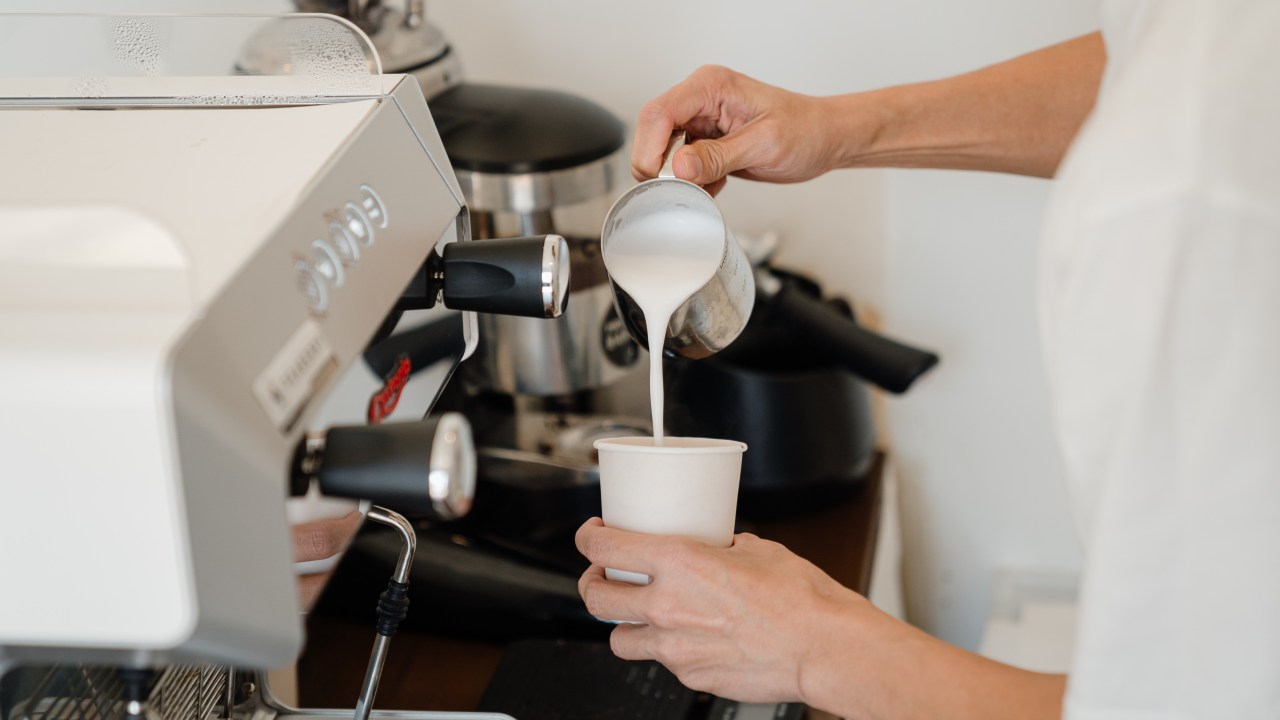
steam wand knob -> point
(423, 469)
(525, 276)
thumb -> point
(705, 161)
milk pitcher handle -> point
(678, 140)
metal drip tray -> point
(86, 692)
(177, 692)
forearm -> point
(1019, 116)
(878, 668)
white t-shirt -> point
(1160, 300)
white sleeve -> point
(1166, 382)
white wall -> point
(946, 259)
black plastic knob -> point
(526, 276)
(420, 469)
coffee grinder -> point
(532, 161)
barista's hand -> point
(316, 541)
(754, 622)
(741, 622)
(745, 128)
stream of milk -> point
(660, 260)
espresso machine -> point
(194, 261)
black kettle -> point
(793, 387)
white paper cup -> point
(685, 486)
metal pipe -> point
(408, 537)
(381, 642)
(229, 697)
(415, 13)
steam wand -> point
(393, 605)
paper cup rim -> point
(631, 444)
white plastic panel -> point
(92, 539)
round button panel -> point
(311, 286)
(374, 208)
(326, 263)
(325, 268)
(358, 223)
(344, 244)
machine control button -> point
(374, 208)
(358, 224)
(327, 264)
(341, 240)
(311, 286)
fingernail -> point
(692, 166)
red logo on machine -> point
(384, 402)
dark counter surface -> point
(432, 672)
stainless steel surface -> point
(397, 522)
(717, 312)
(677, 141)
(531, 469)
(558, 451)
(438, 76)
(555, 275)
(313, 455)
(404, 564)
(451, 480)
(403, 46)
(416, 13)
(525, 193)
(332, 714)
(585, 348)
(85, 692)
(372, 675)
(229, 694)
(405, 41)
(536, 222)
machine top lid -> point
(80, 60)
(218, 181)
(520, 131)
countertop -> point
(430, 672)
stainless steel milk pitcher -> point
(715, 314)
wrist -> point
(842, 649)
(860, 127)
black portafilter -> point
(526, 276)
(421, 469)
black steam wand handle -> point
(423, 469)
(887, 363)
(527, 276)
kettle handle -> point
(887, 363)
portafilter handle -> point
(423, 468)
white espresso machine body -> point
(180, 287)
